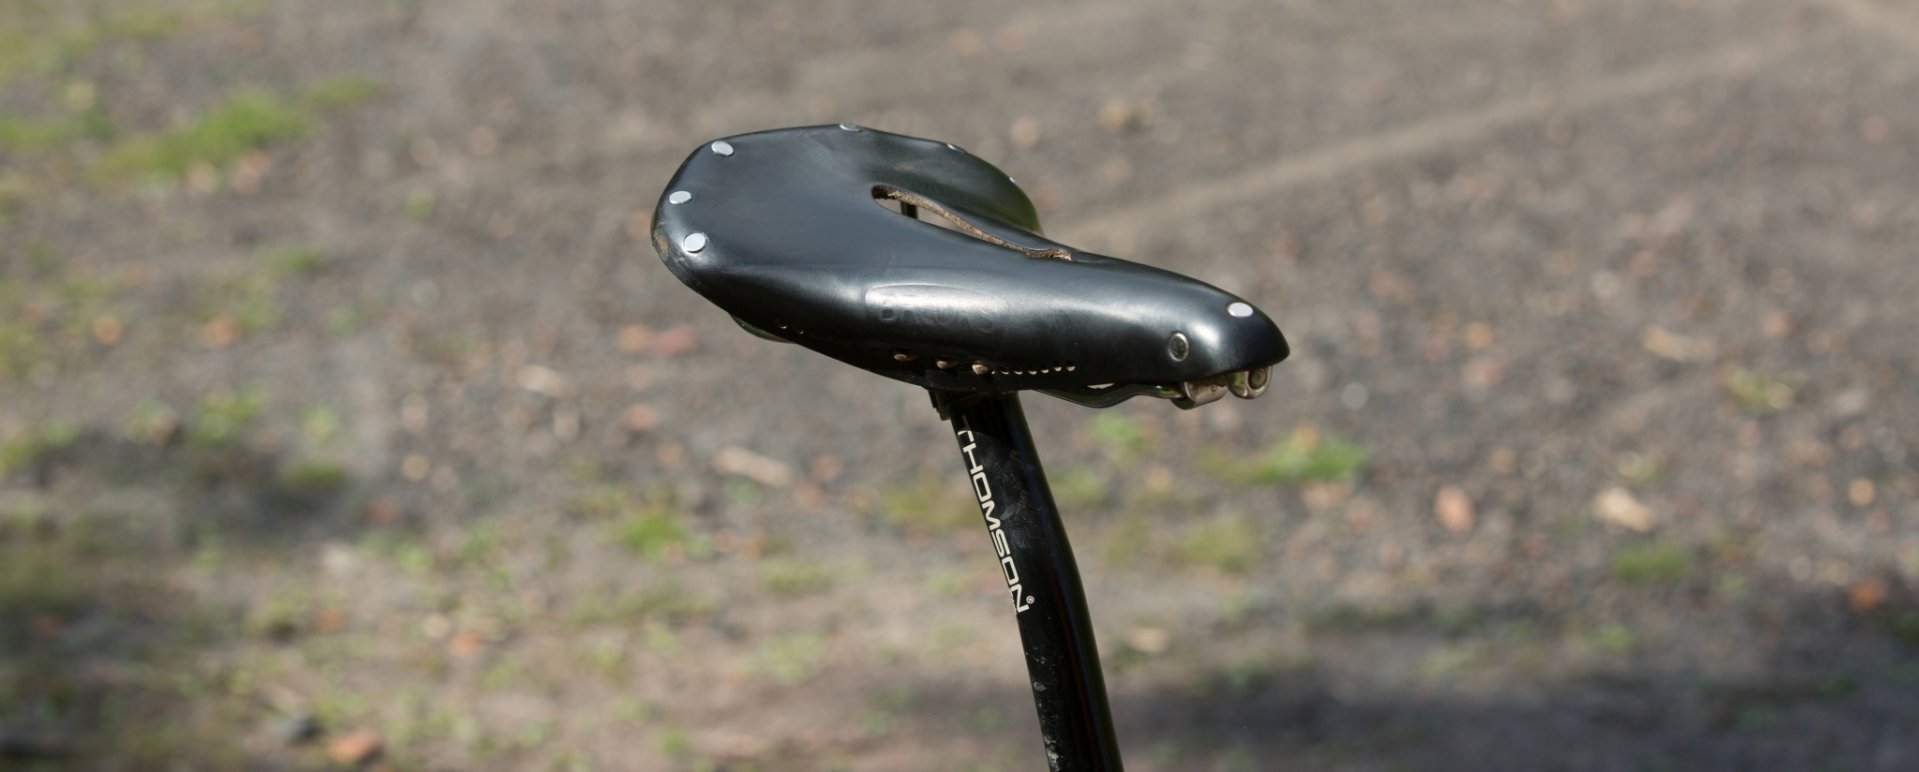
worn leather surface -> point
(796, 245)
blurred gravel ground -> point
(348, 419)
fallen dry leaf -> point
(1454, 509)
(1149, 640)
(1866, 595)
(382, 511)
(1617, 506)
(465, 644)
(766, 471)
(354, 747)
(674, 341)
(1666, 344)
(328, 620)
(220, 332)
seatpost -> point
(1042, 579)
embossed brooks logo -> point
(933, 305)
(984, 491)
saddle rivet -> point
(679, 197)
(693, 243)
(723, 147)
(1240, 310)
(954, 148)
(1178, 347)
(901, 356)
(980, 368)
(850, 127)
(945, 364)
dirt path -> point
(347, 418)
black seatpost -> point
(1042, 579)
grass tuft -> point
(1305, 457)
(1756, 393)
(247, 120)
(1229, 544)
(1653, 564)
(793, 659)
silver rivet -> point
(722, 147)
(980, 368)
(679, 197)
(850, 127)
(693, 242)
(1240, 310)
(1178, 346)
(901, 356)
(1014, 181)
(954, 148)
(945, 364)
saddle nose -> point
(916, 260)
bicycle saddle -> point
(790, 231)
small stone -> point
(1454, 509)
(436, 626)
(295, 729)
(482, 141)
(1119, 115)
(1149, 640)
(1483, 372)
(633, 338)
(1024, 133)
(967, 43)
(826, 468)
(1777, 324)
(1479, 335)
(355, 747)
(544, 381)
(107, 329)
(1875, 129)
(1617, 506)
(640, 417)
(416, 467)
(1861, 492)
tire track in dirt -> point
(1432, 134)
(1902, 28)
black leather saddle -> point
(918, 261)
